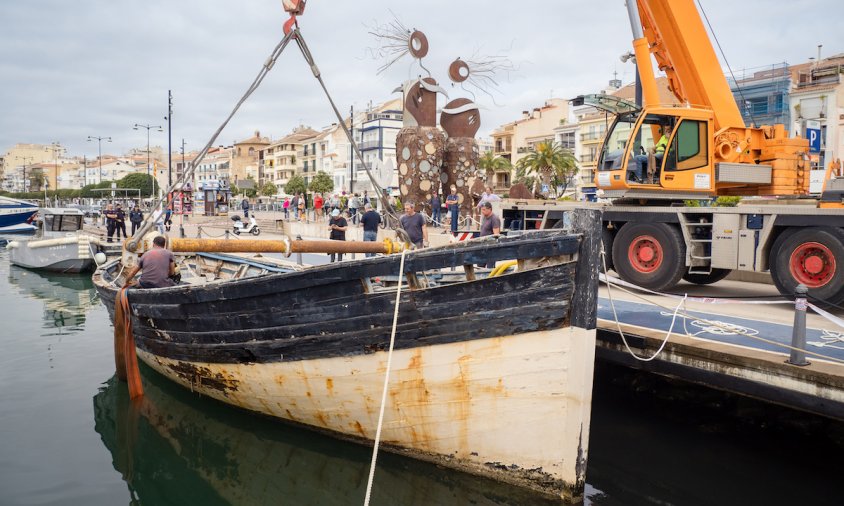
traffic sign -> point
(813, 133)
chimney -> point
(536, 113)
(525, 115)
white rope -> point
(618, 325)
(386, 384)
(737, 330)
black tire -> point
(236, 231)
(707, 279)
(668, 263)
(793, 254)
(607, 237)
(256, 231)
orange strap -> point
(125, 356)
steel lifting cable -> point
(386, 384)
(146, 225)
(306, 53)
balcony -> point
(590, 158)
(592, 136)
(368, 145)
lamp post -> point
(24, 158)
(149, 127)
(169, 119)
(56, 148)
(99, 154)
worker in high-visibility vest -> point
(638, 171)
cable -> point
(386, 384)
(718, 43)
(618, 324)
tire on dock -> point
(813, 257)
(651, 255)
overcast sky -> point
(74, 68)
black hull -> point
(328, 311)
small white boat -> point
(59, 246)
(16, 216)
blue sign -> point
(814, 136)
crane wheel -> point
(651, 255)
(707, 279)
(813, 257)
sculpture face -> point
(461, 118)
(420, 102)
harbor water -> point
(70, 436)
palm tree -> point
(547, 160)
(491, 164)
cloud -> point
(97, 67)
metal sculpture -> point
(420, 145)
(461, 120)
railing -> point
(368, 145)
(588, 158)
(592, 136)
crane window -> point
(689, 147)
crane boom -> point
(681, 47)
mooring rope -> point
(386, 383)
(713, 323)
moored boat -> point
(60, 245)
(16, 216)
(491, 375)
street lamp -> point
(24, 158)
(56, 148)
(99, 154)
(149, 127)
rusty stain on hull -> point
(203, 377)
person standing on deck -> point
(370, 221)
(491, 223)
(414, 225)
(318, 203)
(110, 217)
(136, 217)
(120, 222)
(338, 225)
(436, 209)
(452, 203)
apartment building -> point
(246, 158)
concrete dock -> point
(743, 352)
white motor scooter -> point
(239, 227)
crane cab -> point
(658, 152)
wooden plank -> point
(587, 222)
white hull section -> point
(516, 408)
(65, 254)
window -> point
(251, 151)
(689, 149)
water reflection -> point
(173, 447)
(66, 297)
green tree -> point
(295, 185)
(36, 179)
(547, 161)
(137, 180)
(268, 189)
(490, 164)
(321, 183)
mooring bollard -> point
(798, 333)
(299, 254)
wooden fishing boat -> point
(490, 374)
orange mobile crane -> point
(657, 156)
